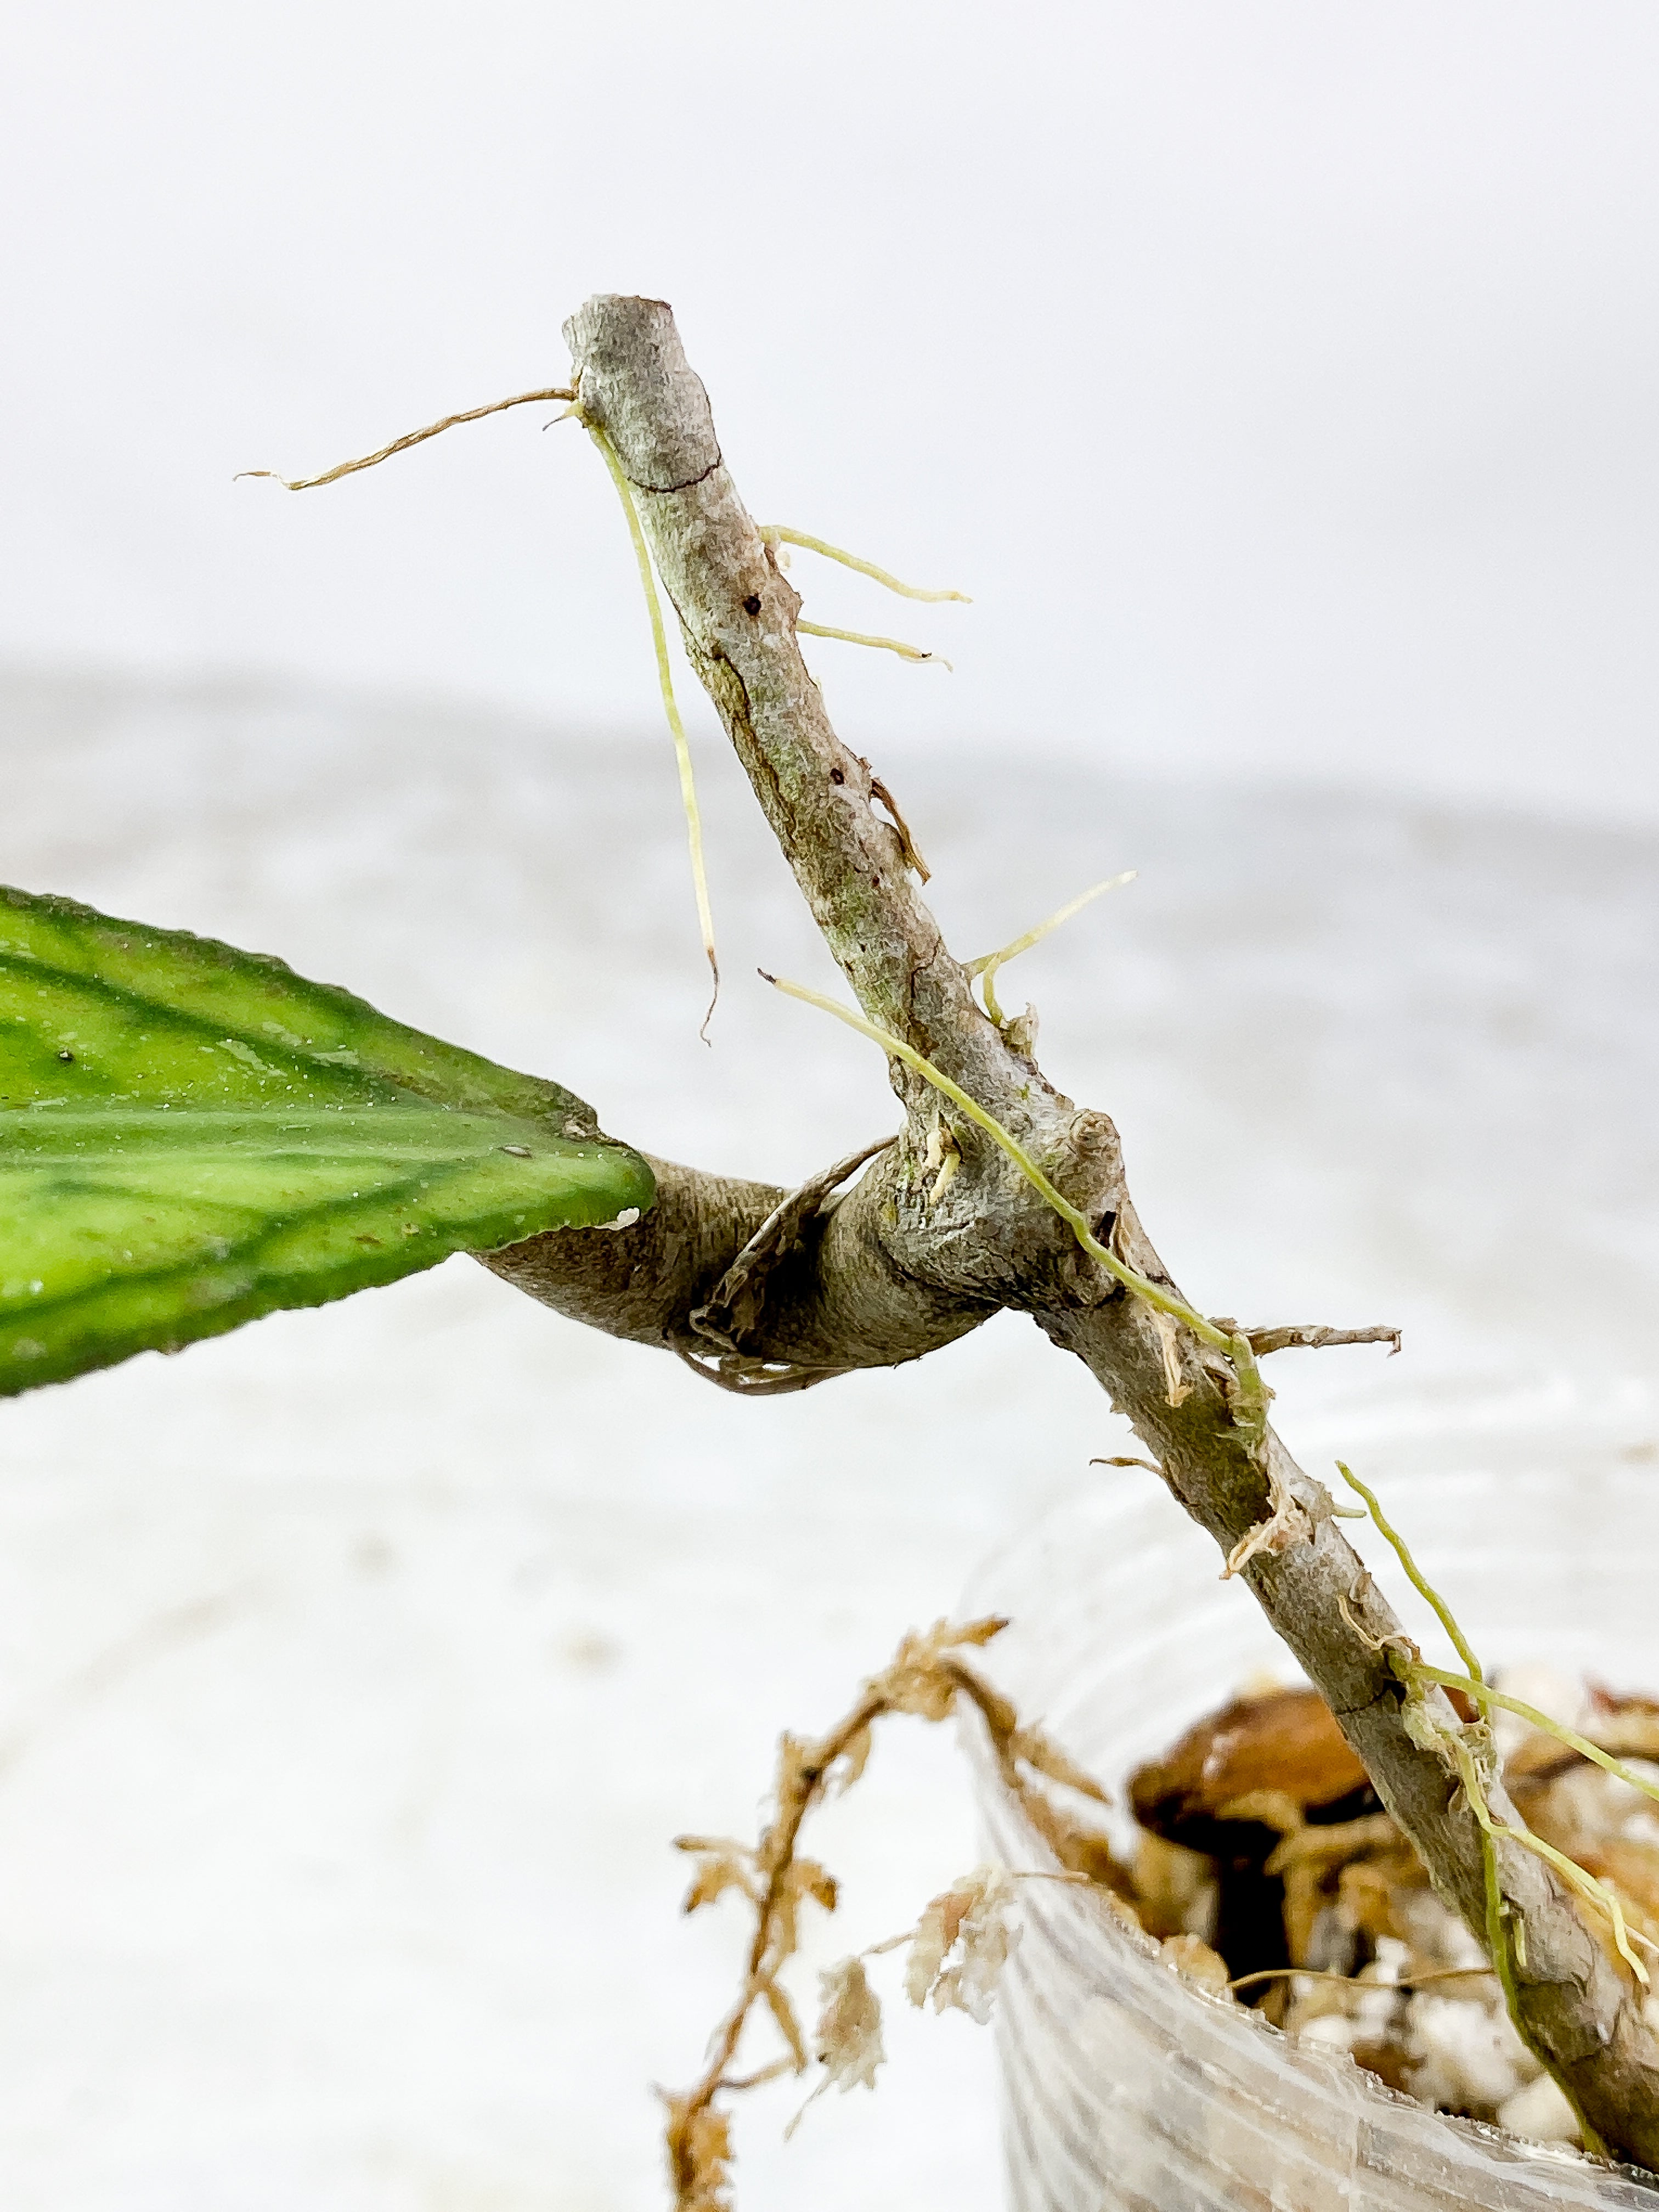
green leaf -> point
(192, 1137)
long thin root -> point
(775, 533)
(987, 965)
(402, 445)
(671, 708)
(858, 637)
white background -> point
(1280, 381)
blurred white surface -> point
(1279, 377)
(354, 1671)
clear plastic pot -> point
(1124, 2085)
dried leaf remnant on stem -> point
(1287, 1521)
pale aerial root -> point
(775, 533)
(1468, 1746)
(1485, 1696)
(402, 445)
(885, 644)
(986, 966)
(671, 708)
(1414, 1574)
(1501, 1944)
(1473, 1684)
(1288, 1522)
(942, 1160)
(1161, 1300)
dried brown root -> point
(409, 438)
(1313, 1336)
(957, 1947)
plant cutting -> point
(194, 1137)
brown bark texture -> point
(762, 1290)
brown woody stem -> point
(887, 1274)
